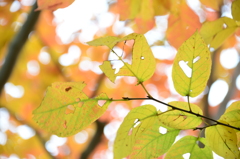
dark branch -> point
(16, 46)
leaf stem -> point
(189, 103)
(187, 111)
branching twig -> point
(16, 46)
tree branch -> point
(16, 46)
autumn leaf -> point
(135, 123)
(109, 41)
(192, 66)
(182, 25)
(216, 32)
(181, 120)
(53, 4)
(66, 110)
(223, 141)
(188, 144)
(236, 10)
(143, 61)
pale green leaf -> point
(109, 41)
(143, 62)
(66, 110)
(179, 119)
(108, 70)
(234, 106)
(154, 143)
(192, 66)
(223, 141)
(216, 32)
(135, 123)
(188, 144)
(236, 10)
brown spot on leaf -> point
(65, 124)
(68, 88)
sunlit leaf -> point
(182, 25)
(192, 66)
(232, 114)
(223, 141)
(154, 143)
(216, 32)
(179, 119)
(109, 41)
(143, 62)
(236, 10)
(66, 110)
(135, 123)
(53, 4)
(189, 144)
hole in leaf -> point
(70, 109)
(68, 89)
(200, 144)
(211, 49)
(101, 102)
(65, 124)
(186, 69)
(136, 120)
(130, 132)
(136, 124)
(77, 99)
(162, 130)
(186, 155)
(142, 57)
(224, 26)
(196, 59)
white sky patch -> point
(105, 19)
(196, 6)
(85, 65)
(25, 132)
(44, 57)
(4, 119)
(72, 57)
(77, 16)
(33, 67)
(27, 2)
(81, 137)
(15, 6)
(88, 32)
(217, 92)
(238, 82)
(53, 143)
(110, 129)
(3, 138)
(14, 91)
(229, 58)
(163, 52)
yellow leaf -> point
(181, 120)
(236, 10)
(216, 32)
(223, 141)
(192, 66)
(66, 110)
(109, 41)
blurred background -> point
(56, 50)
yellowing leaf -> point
(66, 110)
(232, 114)
(53, 4)
(236, 10)
(154, 143)
(143, 62)
(109, 41)
(223, 141)
(188, 144)
(182, 25)
(135, 123)
(179, 119)
(216, 32)
(192, 66)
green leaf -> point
(109, 41)
(66, 110)
(223, 141)
(179, 119)
(153, 143)
(216, 32)
(135, 123)
(192, 66)
(232, 114)
(188, 144)
(143, 62)
(236, 10)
